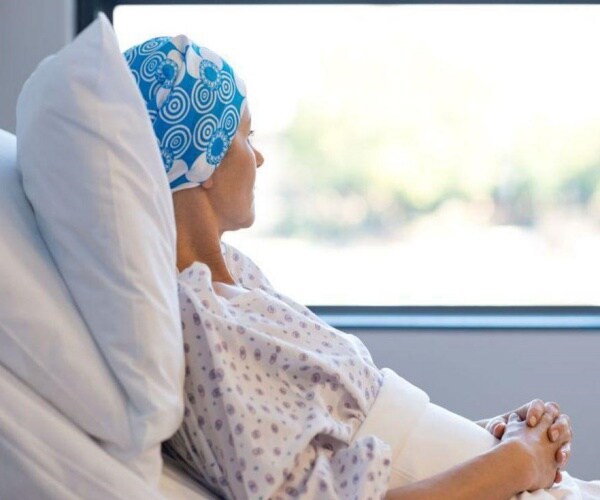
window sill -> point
(461, 317)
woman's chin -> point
(247, 221)
(250, 220)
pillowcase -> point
(93, 173)
(43, 339)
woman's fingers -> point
(534, 411)
(558, 476)
(514, 417)
(561, 430)
(496, 426)
(563, 454)
(546, 421)
(562, 457)
(553, 408)
(537, 408)
(499, 429)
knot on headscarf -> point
(195, 102)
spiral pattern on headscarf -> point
(130, 55)
(203, 99)
(230, 120)
(177, 139)
(176, 107)
(227, 88)
(150, 65)
(204, 130)
(151, 45)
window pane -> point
(415, 154)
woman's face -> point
(232, 192)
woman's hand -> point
(559, 431)
(539, 452)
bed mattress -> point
(45, 456)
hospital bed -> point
(44, 455)
(83, 414)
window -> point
(415, 154)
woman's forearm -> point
(496, 475)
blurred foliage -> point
(375, 143)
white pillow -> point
(43, 339)
(93, 173)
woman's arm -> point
(498, 474)
(524, 460)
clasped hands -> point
(559, 432)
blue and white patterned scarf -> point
(195, 102)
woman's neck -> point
(213, 258)
(199, 239)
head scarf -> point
(195, 102)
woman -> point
(278, 403)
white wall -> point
(29, 31)
(480, 374)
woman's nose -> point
(259, 158)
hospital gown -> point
(275, 399)
(273, 395)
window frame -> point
(357, 317)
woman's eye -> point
(250, 135)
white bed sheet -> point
(45, 456)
